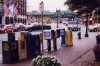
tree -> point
(82, 5)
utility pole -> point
(86, 24)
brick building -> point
(15, 10)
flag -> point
(13, 10)
(41, 6)
(16, 11)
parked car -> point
(74, 26)
(1, 30)
(19, 27)
(37, 27)
(8, 28)
(94, 28)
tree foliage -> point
(83, 5)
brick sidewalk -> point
(68, 56)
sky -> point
(49, 5)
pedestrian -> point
(79, 35)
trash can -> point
(69, 38)
(98, 39)
(10, 52)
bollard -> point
(49, 45)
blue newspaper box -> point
(62, 34)
(32, 45)
(47, 34)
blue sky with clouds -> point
(51, 5)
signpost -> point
(41, 6)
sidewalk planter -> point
(97, 52)
(45, 61)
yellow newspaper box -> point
(69, 38)
(22, 46)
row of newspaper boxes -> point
(66, 36)
(27, 45)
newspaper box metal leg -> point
(54, 37)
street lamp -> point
(86, 24)
(58, 16)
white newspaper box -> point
(47, 34)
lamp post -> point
(86, 24)
(42, 29)
(58, 16)
(41, 8)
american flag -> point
(41, 6)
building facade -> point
(13, 10)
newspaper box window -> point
(62, 32)
(47, 34)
